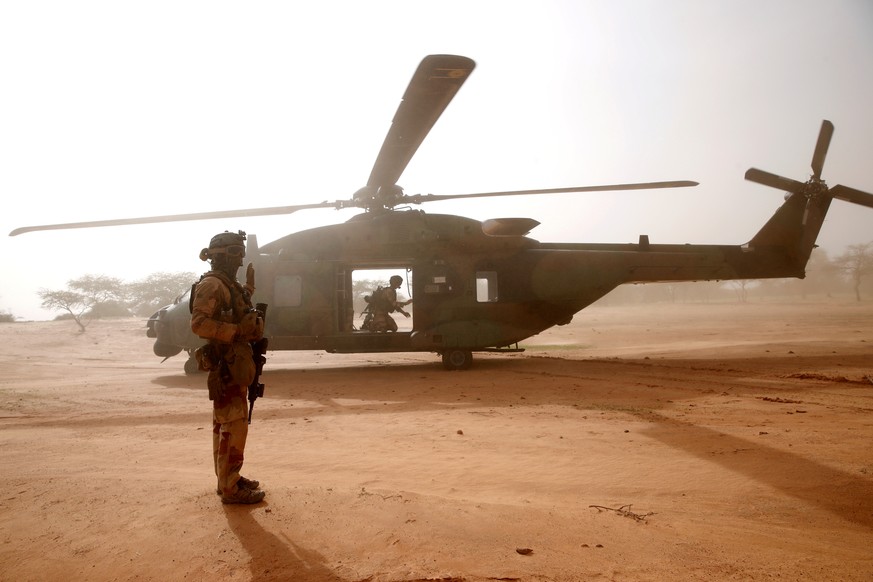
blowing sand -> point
(680, 442)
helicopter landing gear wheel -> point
(457, 359)
(191, 367)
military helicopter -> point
(477, 286)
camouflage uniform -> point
(218, 307)
(382, 308)
(383, 303)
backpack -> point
(379, 300)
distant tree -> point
(701, 291)
(856, 263)
(84, 297)
(147, 295)
(741, 287)
(6, 317)
(74, 303)
(822, 276)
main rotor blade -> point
(768, 179)
(178, 217)
(821, 148)
(419, 198)
(430, 91)
(852, 195)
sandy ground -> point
(682, 442)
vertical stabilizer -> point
(793, 230)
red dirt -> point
(681, 442)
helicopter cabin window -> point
(288, 291)
(486, 286)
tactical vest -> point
(232, 363)
(240, 300)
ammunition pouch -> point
(206, 357)
(241, 363)
(251, 327)
(233, 364)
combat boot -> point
(248, 483)
(242, 483)
(246, 496)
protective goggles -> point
(232, 251)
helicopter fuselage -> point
(476, 285)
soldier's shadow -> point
(271, 557)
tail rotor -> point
(815, 187)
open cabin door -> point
(364, 281)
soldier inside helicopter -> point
(380, 305)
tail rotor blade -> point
(852, 195)
(774, 181)
(821, 148)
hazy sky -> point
(122, 109)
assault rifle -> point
(259, 350)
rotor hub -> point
(378, 198)
(815, 187)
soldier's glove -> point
(250, 279)
(251, 327)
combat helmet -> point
(231, 243)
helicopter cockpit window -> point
(486, 286)
(288, 291)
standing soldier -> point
(222, 314)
